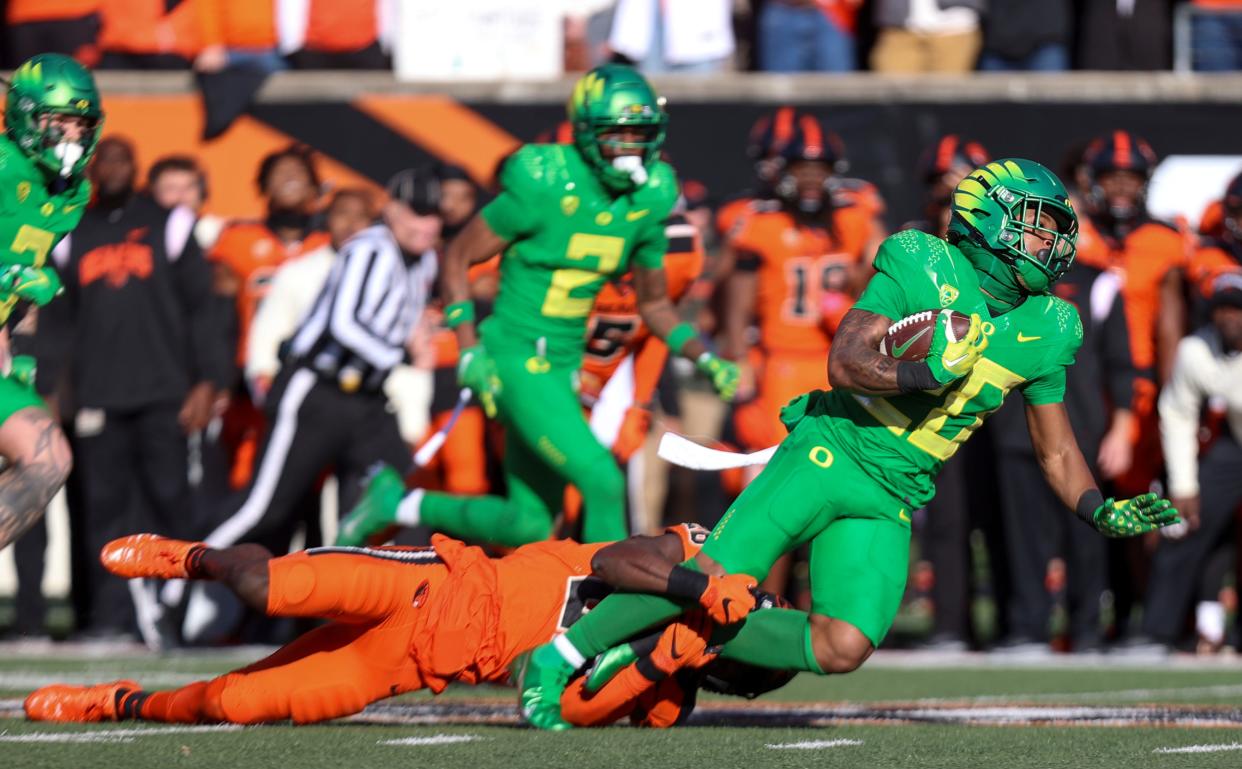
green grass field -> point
(901, 710)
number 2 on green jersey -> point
(558, 302)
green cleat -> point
(607, 665)
(375, 511)
(547, 674)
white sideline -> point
(1201, 748)
(813, 744)
(435, 739)
(113, 735)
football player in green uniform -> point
(51, 124)
(860, 458)
(568, 219)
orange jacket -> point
(146, 27)
(341, 25)
(238, 23)
(23, 11)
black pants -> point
(65, 36)
(1037, 527)
(133, 475)
(1177, 564)
(28, 556)
(371, 57)
(312, 426)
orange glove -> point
(728, 599)
(684, 643)
(633, 433)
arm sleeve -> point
(649, 251)
(1046, 388)
(883, 296)
(209, 355)
(509, 213)
(1179, 418)
(1049, 386)
(367, 271)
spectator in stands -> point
(926, 36)
(148, 34)
(342, 34)
(1218, 251)
(1130, 35)
(144, 365)
(51, 26)
(1205, 478)
(1216, 35)
(178, 180)
(1021, 35)
(807, 35)
(238, 33)
(460, 198)
(1098, 395)
(685, 36)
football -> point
(910, 338)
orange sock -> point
(177, 706)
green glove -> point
(950, 361)
(477, 370)
(22, 370)
(1128, 517)
(33, 284)
(607, 665)
(723, 373)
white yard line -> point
(1201, 748)
(435, 739)
(813, 744)
(20, 680)
(1120, 694)
(112, 735)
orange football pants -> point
(784, 376)
(374, 594)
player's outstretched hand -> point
(477, 370)
(723, 373)
(33, 284)
(684, 644)
(728, 599)
(1128, 517)
(951, 360)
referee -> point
(327, 408)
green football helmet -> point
(607, 98)
(994, 207)
(52, 84)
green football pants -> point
(548, 444)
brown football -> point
(910, 337)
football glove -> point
(1128, 517)
(728, 599)
(477, 370)
(684, 644)
(723, 373)
(950, 361)
(33, 284)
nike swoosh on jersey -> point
(633, 216)
(1024, 338)
(900, 350)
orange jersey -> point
(1142, 260)
(799, 269)
(1208, 261)
(253, 253)
(489, 611)
(615, 329)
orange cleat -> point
(79, 704)
(147, 555)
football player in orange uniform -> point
(797, 271)
(1117, 233)
(401, 619)
(246, 256)
(1217, 253)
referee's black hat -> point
(418, 188)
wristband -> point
(686, 583)
(677, 338)
(458, 313)
(915, 376)
(1088, 503)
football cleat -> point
(148, 555)
(79, 704)
(547, 675)
(375, 511)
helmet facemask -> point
(1030, 215)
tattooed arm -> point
(39, 461)
(855, 361)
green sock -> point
(483, 519)
(771, 638)
(620, 616)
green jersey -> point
(568, 235)
(33, 219)
(905, 439)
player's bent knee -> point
(839, 646)
(232, 698)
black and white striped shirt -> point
(367, 309)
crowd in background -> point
(161, 356)
(690, 36)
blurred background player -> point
(1219, 250)
(52, 118)
(560, 246)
